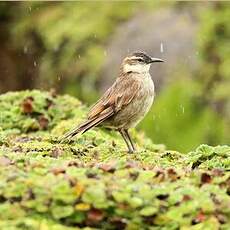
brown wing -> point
(118, 95)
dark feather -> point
(87, 125)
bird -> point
(126, 102)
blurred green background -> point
(77, 47)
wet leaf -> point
(205, 178)
(80, 184)
(82, 207)
(186, 198)
(4, 161)
(57, 170)
(135, 202)
(59, 212)
(217, 172)
(199, 218)
(108, 167)
(172, 174)
(96, 196)
(148, 211)
(43, 122)
(56, 152)
(27, 105)
(78, 189)
(95, 215)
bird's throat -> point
(138, 68)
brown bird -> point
(126, 102)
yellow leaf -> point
(78, 189)
(82, 207)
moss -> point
(92, 182)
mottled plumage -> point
(126, 102)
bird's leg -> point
(126, 139)
(130, 140)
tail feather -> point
(86, 126)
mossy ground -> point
(92, 182)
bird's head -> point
(138, 62)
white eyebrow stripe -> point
(136, 58)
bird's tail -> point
(82, 128)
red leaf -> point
(186, 198)
(131, 164)
(206, 178)
(57, 170)
(160, 174)
(43, 122)
(27, 105)
(200, 217)
(95, 215)
(49, 103)
(107, 167)
(172, 174)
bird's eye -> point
(140, 59)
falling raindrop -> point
(25, 49)
(182, 108)
(79, 56)
(162, 47)
(35, 63)
(105, 53)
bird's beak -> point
(156, 60)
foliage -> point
(195, 107)
(70, 39)
(92, 183)
(64, 45)
(178, 119)
(214, 48)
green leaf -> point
(148, 211)
(60, 211)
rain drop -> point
(182, 108)
(25, 49)
(162, 47)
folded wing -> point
(118, 95)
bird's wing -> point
(120, 94)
